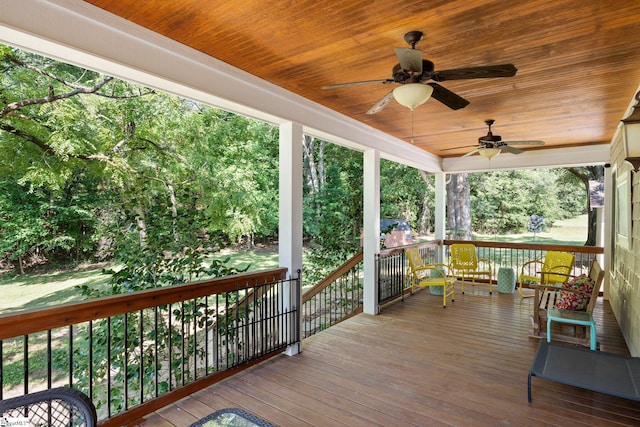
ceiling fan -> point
(417, 77)
(491, 145)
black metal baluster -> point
(274, 319)
(286, 309)
(90, 351)
(247, 338)
(126, 361)
(264, 320)
(335, 301)
(49, 360)
(217, 333)
(1, 369)
(237, 329)
(25, 363)
(206, 335)
(170, 325)
(194, 340)
(313, 326)
(109, 367)
(254, 321)
(182, 358)
(299, 309)
(226, 327)
(71, 356)
(141, 368)
(155, 353)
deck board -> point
(416, 364)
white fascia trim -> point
(87, 36)
(393, 149)
(551, 158)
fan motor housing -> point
(490, 138)
(401, 76)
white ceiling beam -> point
(551, 158)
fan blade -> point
(410, 59)
(472, 152)
(379, 106)
(448, 98)
(503, 70)
(511, 150)
(523, 142)
(464, 146)
(364, 82)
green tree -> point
(332, 206)
(407, 193)
(503, 201)
(98, 154)
(586, 175)
(459, 207)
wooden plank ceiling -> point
(578, 61)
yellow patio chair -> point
(465, 264)
(435, 274)
(554, 262)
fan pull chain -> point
(412, 126)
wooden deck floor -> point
(416, 364)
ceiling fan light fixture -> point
(412, 95)
(489, 153)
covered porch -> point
(416, 364)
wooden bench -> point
(599, 371)
(545, 300)
(576, 318)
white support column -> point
(290, 214)
(371, 234)
(440, 210)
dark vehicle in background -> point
(395, 232)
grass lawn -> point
(258, 259)
(567, 232)
(41, 290)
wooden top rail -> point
(348, 265)
(531, 246)
(37, 320)
(400, 249)
(505, 245)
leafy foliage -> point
(406, 193)
(333, 211)
(87, 158)
(93, 165)
(503, 202)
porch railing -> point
(334, 299)
(135, 353)
(340, 295)
(392, 269)
(514, 255)
(392, 266)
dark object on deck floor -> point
(607, 373)
(60, 406)
(231, 417)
